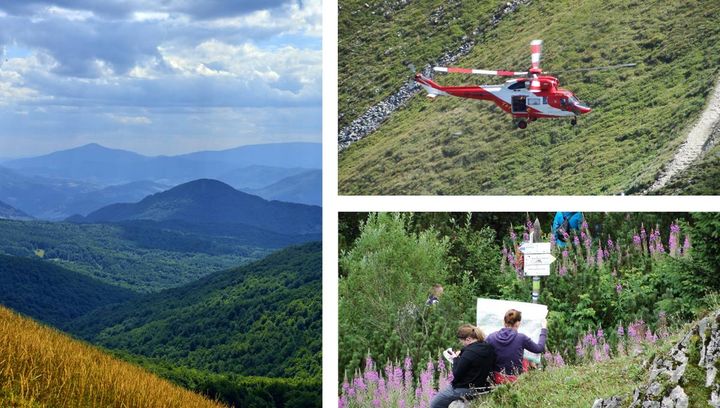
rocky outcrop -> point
(369, 121)
(687, 374)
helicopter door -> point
(519, 104)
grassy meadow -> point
(40, 367)
(639, 118)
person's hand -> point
(544, 324)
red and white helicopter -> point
(530, 98)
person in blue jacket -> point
(565, 221)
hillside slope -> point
(53, 294)
(44, 368)
(142, 256)
(639, 118)
(260, 319)
(8, 212)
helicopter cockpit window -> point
(517, 85)
(563, 101)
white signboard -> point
(536, 270)
(535, 247)
(491, 315)
(537, 264)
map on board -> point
(491, 314)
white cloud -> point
(150, 16)
(130, 120)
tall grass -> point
(41, 367)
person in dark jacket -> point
(471, 366)
(509, 347)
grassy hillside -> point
(703, 178)
(43, 368)
(53, 294)
(260, 319)
(378, 39)
(458, 146)
(141, 257)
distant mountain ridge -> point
(305, 188)
(211, 201)
(99, 164)
(9, 212)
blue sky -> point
(155, 77)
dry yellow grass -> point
(41, 367)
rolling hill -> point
(57, 199)
(8, 212)
(75, 374)
(51, 293)
(458, 146)
(142, 256)
(303, 188)
(213, 202)
(260, 319)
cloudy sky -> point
(158, 76)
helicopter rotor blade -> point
(458, 70)
(594, 68)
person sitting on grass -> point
(509, 347)
(471, 367)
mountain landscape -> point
(187, 276)
(81, 180)
(9, 213)
(213, 202)
(640, 118)
(305, 188)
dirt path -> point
(698, 139)
(369, 121)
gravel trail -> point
(699, 139)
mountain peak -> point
(207, 201)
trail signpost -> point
(536, 259)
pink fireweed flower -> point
(559, 362)
(566, 236)
(359, 384)
(343, 402)
(576, 241)
(610, 244)
(618, 288)
(600, 333)
(579, 350)
(565, 253)
(637, 242)
(584, 225)
(513, 236)
(620, 331)
(599, 256)
(562, 271)
(549, 360)
(686, 244)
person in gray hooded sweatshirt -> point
(509, 346)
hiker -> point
(509, 346)
(564, 222)
(471, 367)
(435, 292)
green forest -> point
(247, 335)
(618, 270)
(141, 256)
